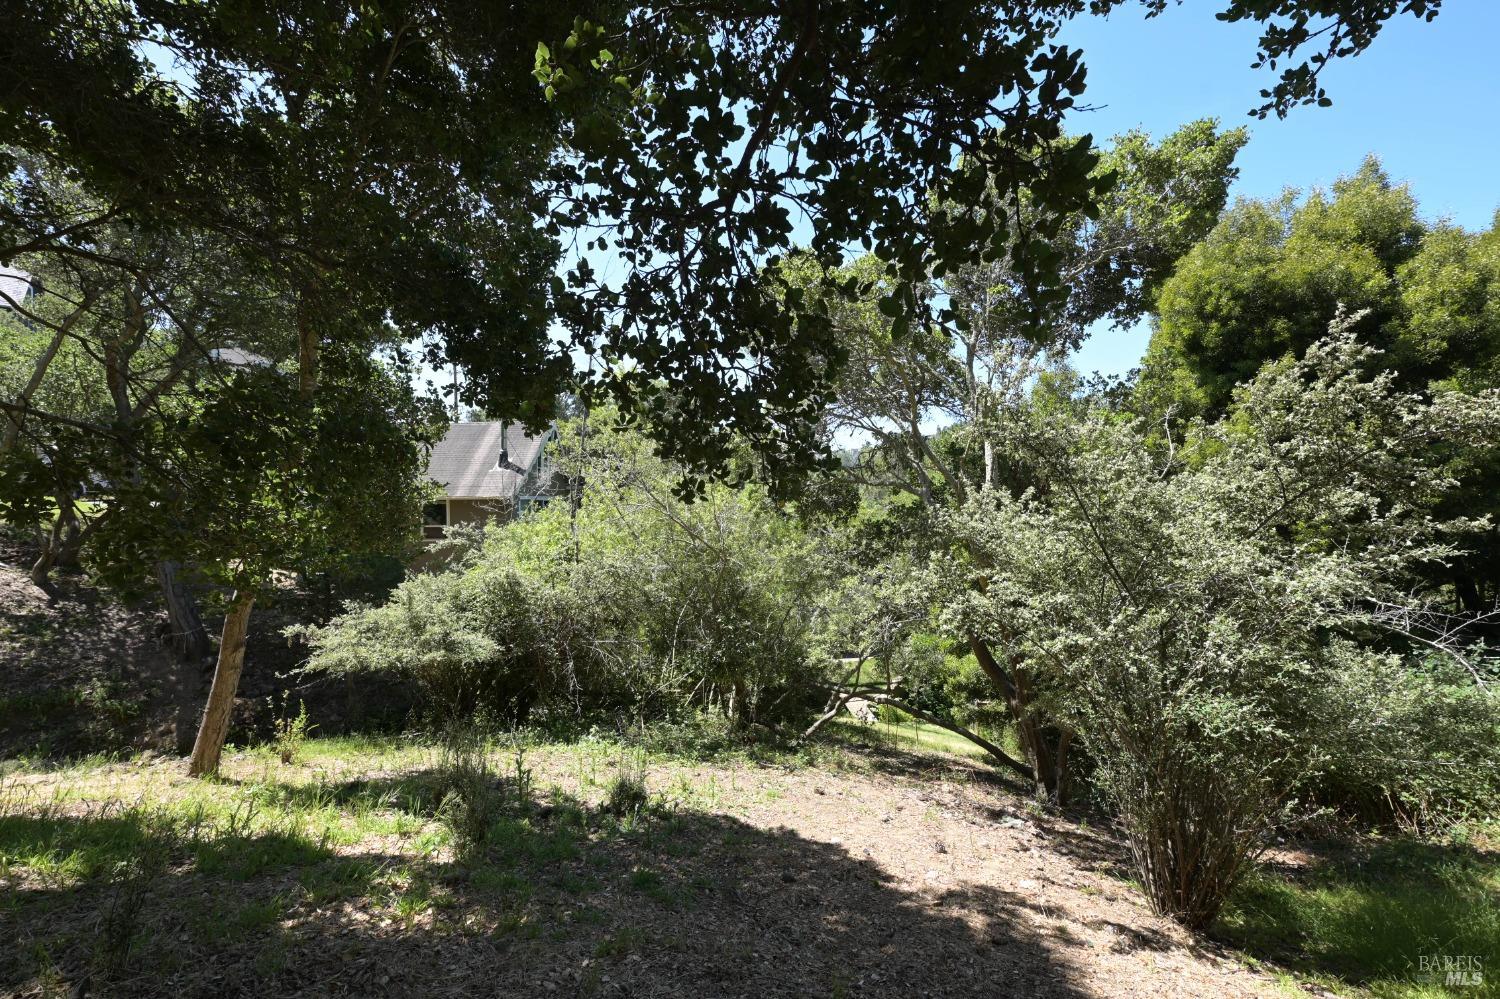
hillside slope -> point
(864, 874)
(91, 673)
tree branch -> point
(995, 751)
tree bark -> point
(41, 569)
(307, 346)
(187, 636)
(1046, 747)
(835, 705)
(215, 725)
(70, 538)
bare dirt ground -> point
(877, 874)
(91, 673)
(77, 673)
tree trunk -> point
(190, 646)
(186, 634)
(70, 538)
(215, 726)
(1046, 746)
(307, 345)
(41, 569)
(1471, 601)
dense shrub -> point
(634, 603)
(1413, 742)
(1199, 619)
(485, 640)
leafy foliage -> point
(1192, 620)
(1271, 277)
(303, 483)
(427, 164)
(634, 602)
(481, 641)
(978, 362)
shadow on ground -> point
(564, 901)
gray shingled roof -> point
(14, 286)
(238, 357)
(466, 461)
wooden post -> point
(215, 725)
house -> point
(17, 288)
(490, 470)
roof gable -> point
(466, 462)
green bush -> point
(1200, 621)
(1411, 743)
(626, 794)
(486, 641)
(472, 801)
(921, 665)
(636, 604)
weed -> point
(621, 943)
(339, 879)
(626, 793)
(472, 802)
(413, 904)
(130, 887)
(291, 735)
(651, 884)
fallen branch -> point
(835, 701)
(875, 698)
(836, 704)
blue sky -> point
(1423, 98)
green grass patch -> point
(222, 922)
(910, 735)
(622, 943)
(1377, 916)
(665, 892)
(64, 850)
(339, 879)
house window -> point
(434, 519)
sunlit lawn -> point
(912, 735)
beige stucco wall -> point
(469, 511)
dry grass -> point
(871, 872)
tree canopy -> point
(1272, 274)
(431, 164)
